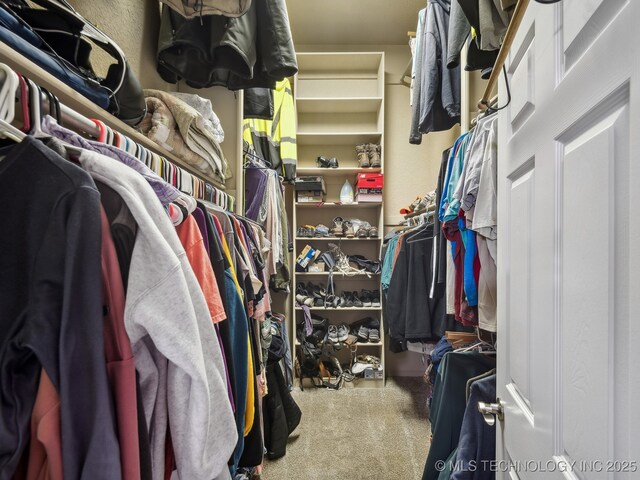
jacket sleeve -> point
(430, 82)
(287, 134)
(78, 366)
(459, 30)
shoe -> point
(375, 299)
(344, 300)
(327, 162)
(304, 232)
(302, 296)
(321, 231)
(318, 293)
(366, 297)
(371, 266)
(375, 155)
(362, 333)
(337, 227)
(362, 232)
(347, 229)
(332, 336)
(374, 335)
(363, 155)
(363, 362)
(355, 299)
(343, 332)
(373, 232)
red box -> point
(370, 181)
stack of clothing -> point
(175, 124)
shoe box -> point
(308, 256)
(310, 189)
(371, 373)
(369, 187)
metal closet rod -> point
(509, 37)
(74, 119)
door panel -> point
(567, 269)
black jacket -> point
(281, 413)
(254, 50)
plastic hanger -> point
(24, 102)
(8, 93)
(36, 110)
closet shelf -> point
(339, 274)
(339, 105)
(339, 62)
(344, 309)
(338, 138)
(335, 239)
(84, 106)
(338, 205)
(359, 344)
(335, 172)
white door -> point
(569, 244)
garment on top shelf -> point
(51, 310)
(204, 107)
(439, 86)
(253, 50)
(171, 357)
(228, 8)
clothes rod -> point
(509, 37)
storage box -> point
(309, 196)
(369, 197)
(307, 256)
(368, 181)
(317, 267)
(313, 183)
(373, 373)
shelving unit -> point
(340, 104)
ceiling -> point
(353, 22)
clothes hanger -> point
(24, 103)
(421, 229)
(8, 93)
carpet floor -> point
(357, 434)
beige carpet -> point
(357, 434)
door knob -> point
(490, 411)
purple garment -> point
(166, 193)
(254, 189)
(198, 214)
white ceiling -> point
(353, 22)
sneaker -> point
(363, 362)
(373, 232)
(363, 155)
(337, 227)
(347, 229)
(366, 296)
(374, 335)
(355, 299)
(333, 334)
(321, 231)
(362, 232)
(363, 334)
(375, 299)
(343, 332)
(327, 162)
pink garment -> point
(121, 368)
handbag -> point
(67, 38)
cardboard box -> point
(373, 373)
(307, 256)
(317, 267)
(369, 198)
(311, 196)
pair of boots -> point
(369, 155)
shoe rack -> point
(339, 101)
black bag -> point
(69, 38)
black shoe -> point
(375, 299)
(371, 266)
(356, 300)
(366, 296)
(327, 162)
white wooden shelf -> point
(359, 344)
(338, 138)
(338, 274)
(338, 205)
(335, 63)
(339, 105)
(335, 239)
(344, 309)
(335, 172)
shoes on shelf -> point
(327, 162)
(302, 295)
(366, 297)
(332, 335)
(318, 293)
(306, 231)
(375, 299)
(362, 333)
(374, 335)
(347, 229)
(363, 362)
(371, 266)
(343, 332)
(337, 227)
(374, 151)
(321, 231)
(362, 231)
(355, 300)
(362, 152)
(373, 232)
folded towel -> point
(204, 107)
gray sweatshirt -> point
(174, 342)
